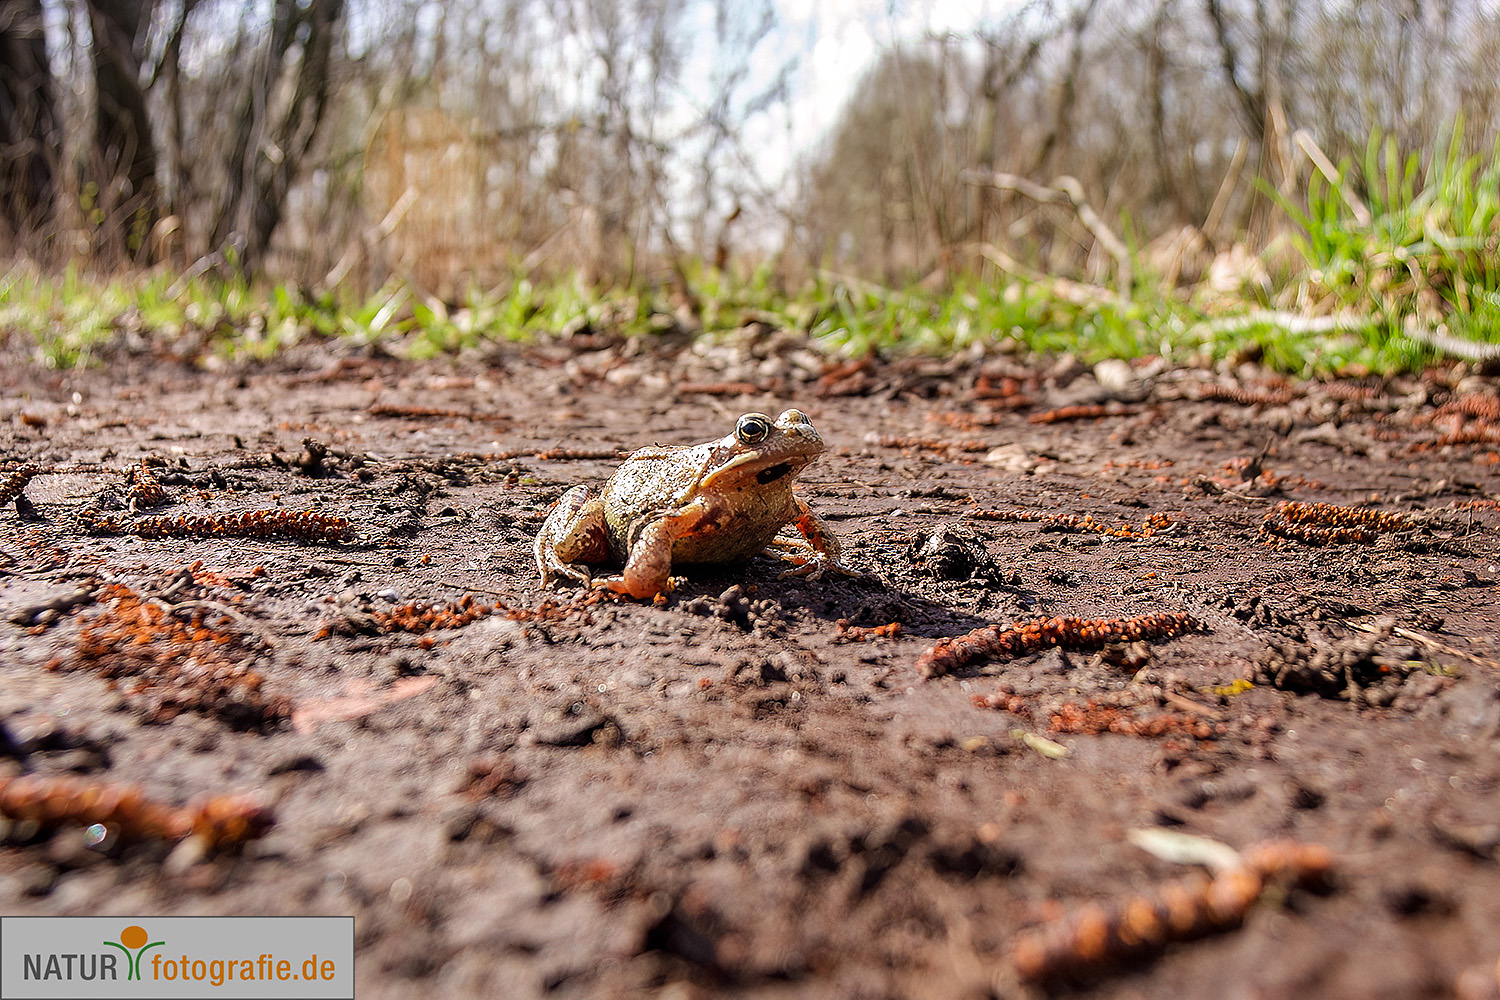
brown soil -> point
(750, 789)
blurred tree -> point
(123, 165)
(276, 119)
(28, 127)
(471, 139)
(1167, 113)
(883, 197)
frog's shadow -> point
(866, 600)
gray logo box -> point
(82, 958)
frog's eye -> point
(753, 428)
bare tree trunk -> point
(294, 137)
(28, 125)
(179, 175)
(1252, 102)
(124, 146)
(265, 155)
(1062, 121)
(250, 111)
(1170, 186)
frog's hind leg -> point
(572, 537)
(813, 551)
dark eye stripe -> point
(774, 473)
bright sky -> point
(839, 39)
(835, 42)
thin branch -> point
(1439, 339)
(1288, 321)
(1226, 189)
(1066, 190)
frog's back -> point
(652, 479)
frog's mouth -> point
(743, 467)
(773, 473)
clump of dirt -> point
(948, 553)
(1366, 670)
(172, 662)
(759, 615)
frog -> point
(671, 505)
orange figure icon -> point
(133, 938)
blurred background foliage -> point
(1137, 166)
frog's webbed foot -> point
(813, 551)
(639, 590)
(572, 537)
(806, 562)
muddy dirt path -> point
(765, 787)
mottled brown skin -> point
(719, 502)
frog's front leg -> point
(649, 567)
(573, 536)
(816, 551)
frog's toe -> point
(806, 567)
(812, 565)
(806, 560)
(556, 571)
(639, 589)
